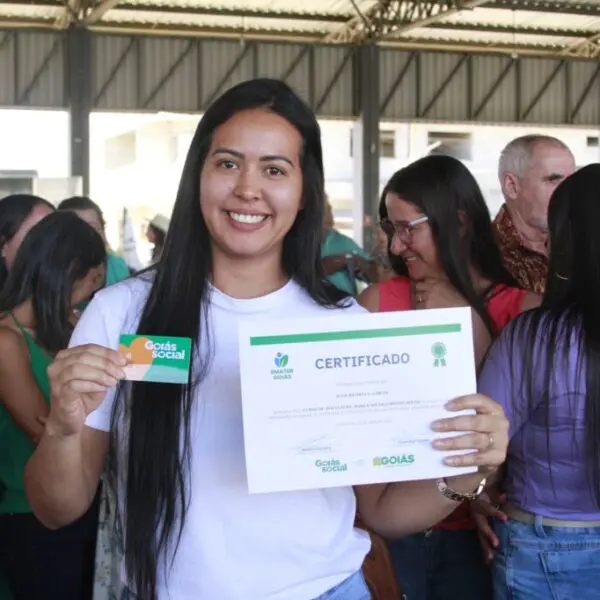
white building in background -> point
(136, 159)
(140, 166)
(478, 146)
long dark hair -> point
(568, 317)
(13, 211)
(55, 253)
(158, 451)
(445, 190)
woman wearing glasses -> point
(442, 248)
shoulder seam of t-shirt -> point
(134, 287)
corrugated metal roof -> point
(308, 7)
(485, 39)
(217, 22)
(541, 26)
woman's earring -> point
(561, 277)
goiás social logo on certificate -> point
(349, 400)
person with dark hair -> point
(545, 370)
(442, 247)
(156, 235)
(18, 214)
(59, 263)
(85, 208)
(244, 243)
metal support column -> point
(79, 77)
(366, 144)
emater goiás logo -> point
(282, 371)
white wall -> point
(411, 143)
(149, 185)
(35, 141)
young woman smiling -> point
(244, 243)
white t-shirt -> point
(237, 546)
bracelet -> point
(448, 492)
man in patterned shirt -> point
(530, 169)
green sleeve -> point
(116, 269)
(338, 243)
(352, 246)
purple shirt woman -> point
(545, 372)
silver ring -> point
(490, 442)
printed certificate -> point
(349, 400)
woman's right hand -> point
(79, 379)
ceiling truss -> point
(588, 48)
(390, 18)
(387, 23)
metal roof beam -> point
(411, 44)
(71, 12)
(225, 11)
(510, 29)
(210, 11)
(394, 8)
(99, 11)
(544, 50)
(389, 18)
(587, 48)
(585, 7)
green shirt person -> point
(344, 260)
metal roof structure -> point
(551, 28)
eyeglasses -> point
(403, 230)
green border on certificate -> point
(365, 334)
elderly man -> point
(530, 169)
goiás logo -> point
(282, 371)
(399, 460)
(331, 466)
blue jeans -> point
(441, 565)
(536, 562)
(353, 588)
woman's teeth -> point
(245, 218)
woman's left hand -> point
(486, 433)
